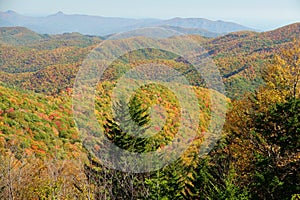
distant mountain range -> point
(96, 25)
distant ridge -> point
(24, 36)
(97, 25)
(21, 36)
(212, 26)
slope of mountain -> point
(284, 33)
(19, 36)
(95, 25)
(44, 125)
(37, 124)
(213, 26)
(193, 31)
(241, 55)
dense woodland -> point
(41, 151)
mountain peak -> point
(59, 13)
(10, 12)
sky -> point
(259, 14)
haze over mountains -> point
(96, 25)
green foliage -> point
(295, 197)
(280, 125)
(264, 132)
(125, 136)
(178, 181)
(276, 172)
(111, 183)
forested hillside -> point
(42, 155)
(50, 63)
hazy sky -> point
(261, 14)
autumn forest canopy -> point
(256, 155)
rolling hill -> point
(49, 63)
